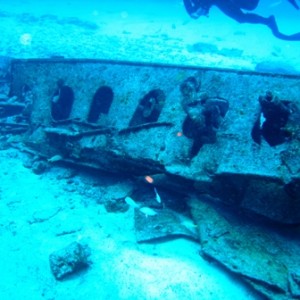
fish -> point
(131, 202)
(55, 158)
(157, 197)
(149, 179)
(187, 223)
(145, 210)
(148, 211)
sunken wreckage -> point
(215, 132)
(230, 140)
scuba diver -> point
(234, 10)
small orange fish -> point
(149, 179)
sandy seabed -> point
(140, 31)
(40, 214)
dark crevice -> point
(101, 103)
(149, 108)
(62, 102)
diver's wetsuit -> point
(233, 9)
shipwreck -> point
(227, 139)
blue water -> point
(147, 31)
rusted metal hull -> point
(131, 135)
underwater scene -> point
(150, 149)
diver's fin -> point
(273, 26)
(294, 3)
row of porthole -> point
(148, 109)
(204, 116)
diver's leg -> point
(241, 17)
(246, 4)
(270, 22)
(252, 19)
(294, 3)
(273, 26)
(233, 11)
